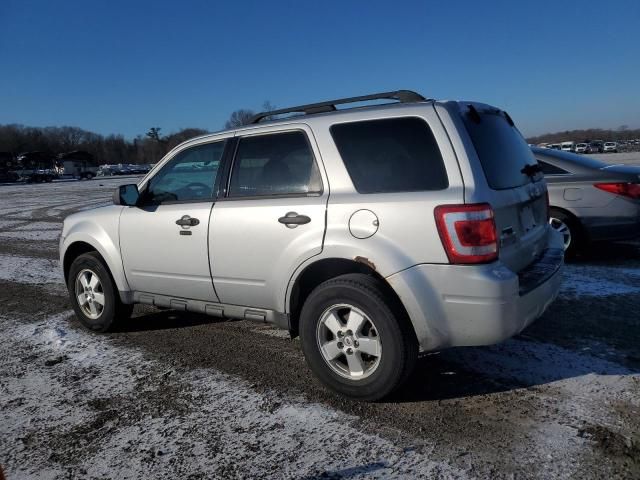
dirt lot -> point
(177, 395)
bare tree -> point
(239, 118)
(243, 116)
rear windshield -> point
(391, 155)
(502, 150)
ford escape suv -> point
(373, 233)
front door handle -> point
(186, 221)
(292, 220)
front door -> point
(271, 220)
(164, 240)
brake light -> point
(629, 190)
(468, 232)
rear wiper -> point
(530, 170)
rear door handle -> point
(186, 221)
(292, 219)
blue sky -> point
(114, 66)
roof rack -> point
(402, 96)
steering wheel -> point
(198, 189)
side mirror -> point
(127, 195)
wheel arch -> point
(325, 269)
(76, 244)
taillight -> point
(630, 190)
(468, 232)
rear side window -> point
(274, 164)
(391, 155)
(502, 150)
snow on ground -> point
(40, 226)
(591, 281)
(30, 270)
(239, 432)
(46, 235)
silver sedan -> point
(590, 201)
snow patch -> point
(592, 282)
(47, 235)
(30, 270)
(227, 427)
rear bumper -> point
(456, 305)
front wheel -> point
(355, 340)
(94, 295)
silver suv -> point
(373, 233)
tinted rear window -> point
(502, 150)
(391, 155)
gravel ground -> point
(178, 395)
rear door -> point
(272, 217)
(516, 191)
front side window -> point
(274, 164)
(391, 155)
(190, 176)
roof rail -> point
(402, 96)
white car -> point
(583, 148)
(610, 147)
(568, 146)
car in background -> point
(583, 148)
(597, 146)
(36, 167)
(590, 200)
(78, 164)
(610, 147)
(568, 147)
(7, 168)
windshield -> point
(502, 150)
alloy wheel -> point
(349, 341)
(89, 294)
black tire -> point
(578, 239)
(113, 310)
(399, 347)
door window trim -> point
(224, 197)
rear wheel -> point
(94, 295)
(354, 341)
(570, 230)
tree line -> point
(111, 149)
(587, 135)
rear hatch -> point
(517, 191)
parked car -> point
(583, 148)
(590, 201)
(36, 167)
(597, 146)
(568, 146)
(78, 164)
(610, 147)
(7, 168)
(371, 232)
